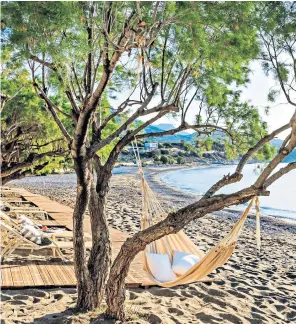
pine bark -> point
(115, 290)
(85, 300)
(99, 262)
(91, 274)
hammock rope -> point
(153, 212)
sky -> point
(255, 93)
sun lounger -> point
(6, 191)
(23, 209)
(14, 223)
(12, 239)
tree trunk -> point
(115, 290)
(92, 274)
(99, 262)
(86, 299)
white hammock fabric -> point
(152, 213)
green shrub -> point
(171, 160)
(209, 143)
(190, 149)
(180, 160)
(164, 159)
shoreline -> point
(154, 178)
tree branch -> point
(283, 152)
(237, 175)
(259, 145)
(183, 127)
(44, 63)
(23, 174)
(96, 145)
(51, 106)
(280, 173)
(33, 157)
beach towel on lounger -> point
(31, 233)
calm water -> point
(281, 202)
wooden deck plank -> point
(45, 275)
(53, 274)
(69, 271)
(61, 272)
(16, 276)
(6, 276)
(64, 274)
(38, 280)
(27, 277)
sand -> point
(250, 288)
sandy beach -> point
(250, 288)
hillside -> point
(177, 138)
(188, 137)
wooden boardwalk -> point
(61, 274)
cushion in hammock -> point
(183, 261)
(31, 233)
(160, 267)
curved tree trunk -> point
(115, 290)
(175, 221)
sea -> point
(281, 202)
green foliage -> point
(231, 152)
(164, 152)
(209, 143)
(190, 149)
(242, 121)
(171, 160)
(276, 22)
(214, 40)
(267, 152)
(180, 160)
(164, 159)
(25, 110)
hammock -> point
(217, 256)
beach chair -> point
(9, 189)
(24, 209)
(12, 239)
(10, 192)
(17, 203)
(60, 234)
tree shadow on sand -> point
(72, 315)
